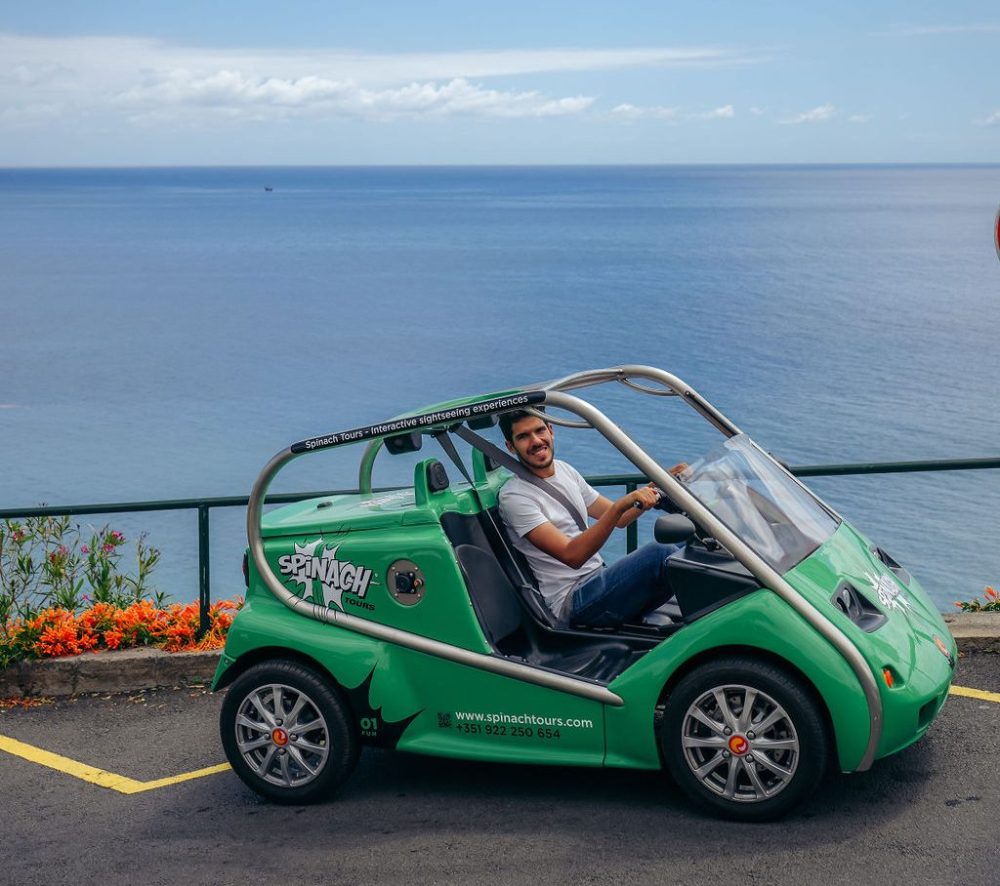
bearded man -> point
(576, 584)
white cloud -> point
(758, 111)
(990, 120)
(109, 54)
(859, 118)
(29, 115)
(943, 30)
(648, 112)
(662, 112)
(153, 81)
(234, 94)
(726, 112)
(816, 115)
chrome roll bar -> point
(673, 386)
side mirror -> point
(672, 529)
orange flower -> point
(99, 615)
(57, 641)
(179, 636)
(991, 594)
(56, 632)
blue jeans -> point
(632, 586)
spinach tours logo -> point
(311, 563)
(889, 593)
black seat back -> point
(483, 531)
(513, 617)
(493, 595)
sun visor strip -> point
(429, 420)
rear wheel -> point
(744, 739)
(287, 732)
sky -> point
(324, 82)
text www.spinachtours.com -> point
(523, 720)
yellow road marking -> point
(975, 693)
(176, 779)
(125, 785)
(100, 777)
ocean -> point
(164, 331)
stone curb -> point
(133, 669)
(126, 671)
(975, 631)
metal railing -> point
(631, 482)
(202, 505)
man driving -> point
(577, 586)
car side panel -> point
(311, 565)
(417, 702)
(474, 714)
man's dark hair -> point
(509, 419)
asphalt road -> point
(927, 815)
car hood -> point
(913, 628)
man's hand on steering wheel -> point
(663, 503)
(644, 498)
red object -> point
(739, 745)
(996, 233)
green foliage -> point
(45, 562)
(990, 603)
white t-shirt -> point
(523, 507)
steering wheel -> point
(663, 503)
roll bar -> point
(554, 393)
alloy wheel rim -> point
(740, 743)
(282, 735)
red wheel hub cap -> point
(739, 745)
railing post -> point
(204, 587)
(632, 530)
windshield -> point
(758, 501)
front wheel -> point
(744, 739)
(287, 733)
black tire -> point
(298, 754)
(744, 774)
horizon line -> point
(501, 165)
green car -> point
(406, 619)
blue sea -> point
(163, 332)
